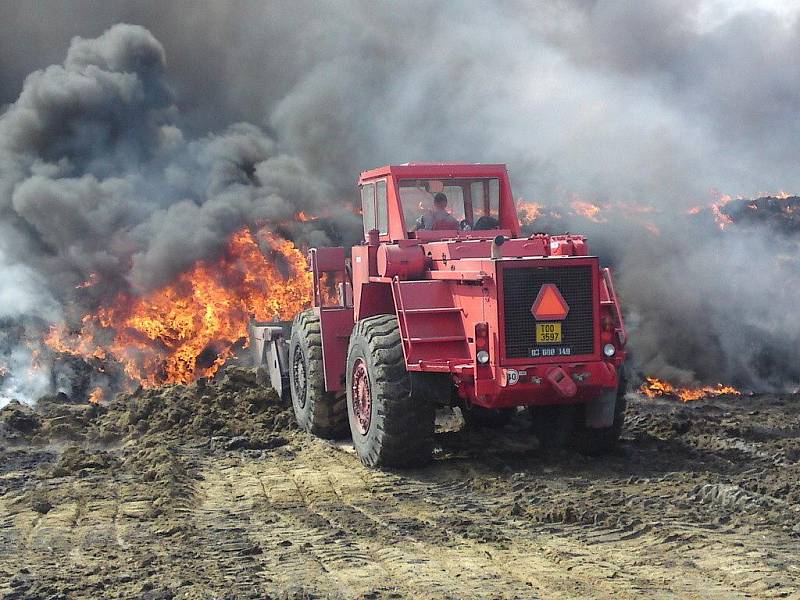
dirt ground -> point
(208, 491)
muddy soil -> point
(209, 491)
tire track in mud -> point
(77, 546)
(308, 540)
(103, 537)
(242, 510)
(417, 557)
(674, 514)
(319, 523)
(354, 532)
(687, 559)
(477, 534)
(706, 561)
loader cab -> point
(437, 201)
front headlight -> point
(483, 357)
(609, 350)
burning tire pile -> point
(208, 490)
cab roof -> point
(423, 170)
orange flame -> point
(587, 210)
(780, 194)
(303, 217)
(97, 395)
(36, 362)
(189, 328)
(60, 340)
(93, 279)
(657, 388)
(722, 220)
(529, 211)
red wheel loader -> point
(446, 304)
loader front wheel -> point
(390, 427)
(317, 411)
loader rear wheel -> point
(594, 442)
(390, 427)
(317, 411)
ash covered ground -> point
(209, 491)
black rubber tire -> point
(400, 432)
(595, 442)
(487, 418)
(319, 412)
(552, 425)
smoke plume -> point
(146, 145)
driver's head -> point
(440, 200)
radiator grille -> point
(520, 288)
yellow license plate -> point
(548, 333)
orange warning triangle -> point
(549, 304)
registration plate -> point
(548, 333)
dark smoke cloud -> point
(144, 149)
(98, 179)
(99, 174)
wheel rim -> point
(362, 397)
(299, 376)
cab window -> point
(382, 208)
(494, 199)
(465, 204)
(368, 207)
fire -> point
(303, 217)
(720, 217)
(587, 210)
(93, 279)
(97, 395)
(781, 195)
(35, 364)
(188, 329)
(722, 220)
(657, 388)
(60, 340)
(529, 211)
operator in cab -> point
(438, 218)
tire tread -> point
(325, 413)
(403, 429)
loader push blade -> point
(269, 342)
